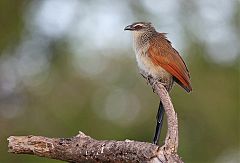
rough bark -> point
(82, 148)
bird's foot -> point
(150, 80)
(146, 76)
(157, 81)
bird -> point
(157, 59)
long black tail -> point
(159, 117)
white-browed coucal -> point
(159, 60)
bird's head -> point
(140, 27)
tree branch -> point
(82, 148)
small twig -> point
(82, 148)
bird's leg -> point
(146, 76)
(159, 124)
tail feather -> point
(188, 88)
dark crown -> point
(137, 26)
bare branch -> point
(82, 148)
(171, 140)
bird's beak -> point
(129, 27)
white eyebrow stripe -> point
(138, 24)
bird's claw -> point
(155, 82)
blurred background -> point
(68, 66)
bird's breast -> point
(145, 64)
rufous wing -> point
(162, 54)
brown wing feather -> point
(163, 54)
